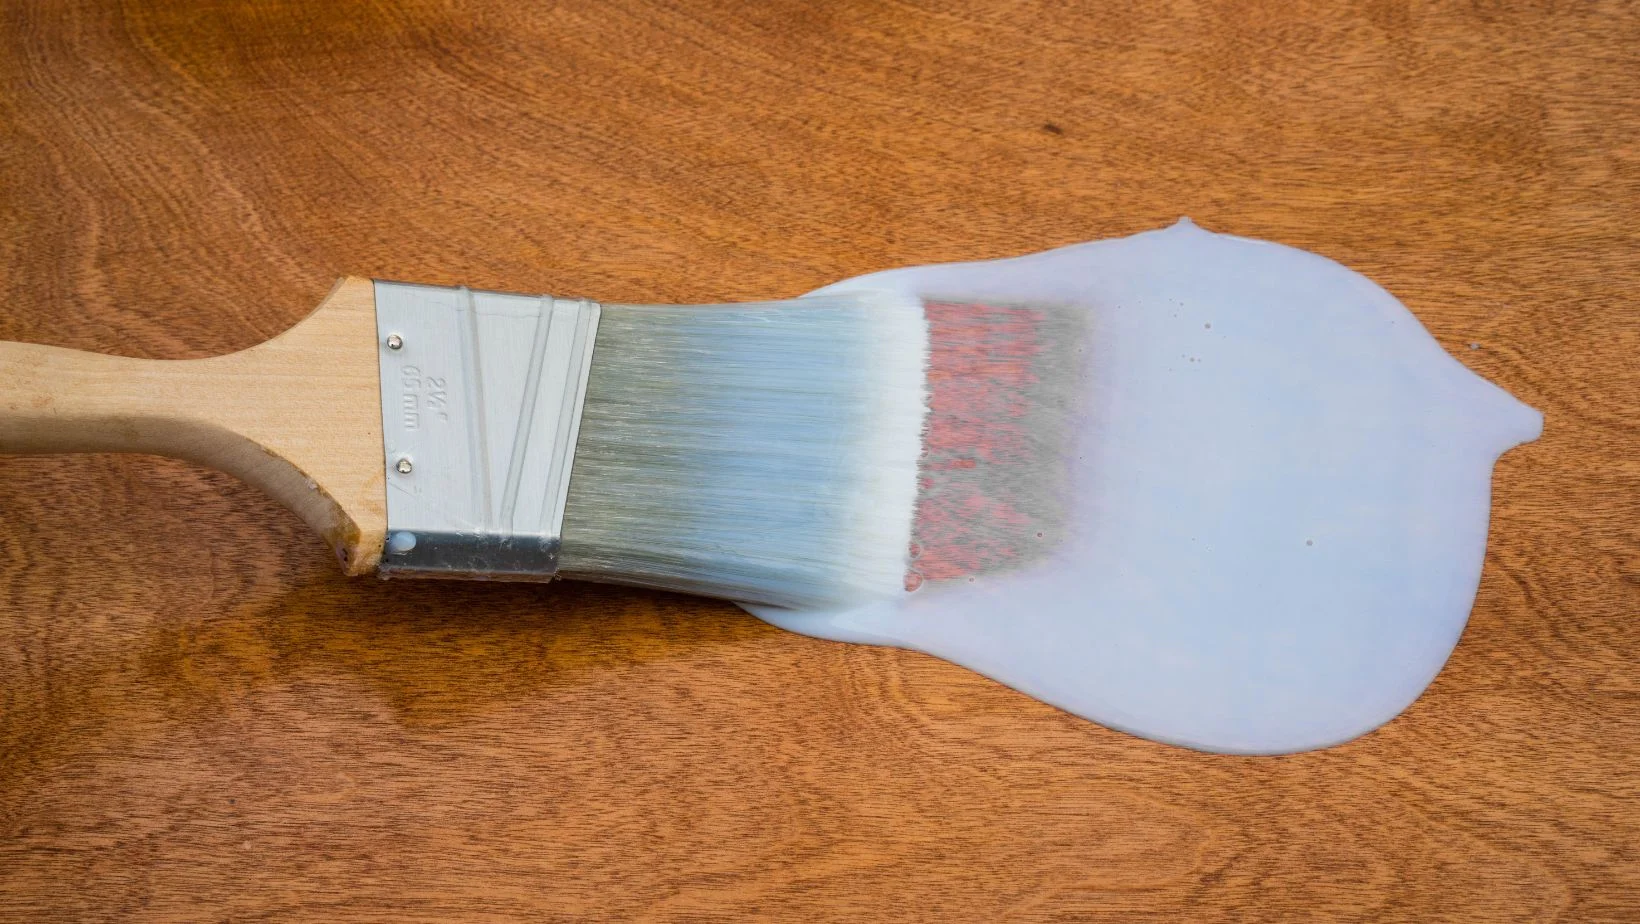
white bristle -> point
(761, 452)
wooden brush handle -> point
(298, 416)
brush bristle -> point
(765, 452)
(1005, 385)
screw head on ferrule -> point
(403, 467)
(395, 342)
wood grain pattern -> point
(298, 417)
(200, 719)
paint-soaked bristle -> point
(766, 453)
(1004, 384)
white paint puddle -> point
(1277, 511)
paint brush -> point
(818, 451)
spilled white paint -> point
(1281, 500)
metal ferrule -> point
(481, 406)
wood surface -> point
(298, 417)
(201, 719)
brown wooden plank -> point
(200, 719)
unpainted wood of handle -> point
(298, 416)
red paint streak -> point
(981, 369)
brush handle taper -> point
(298, 416)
